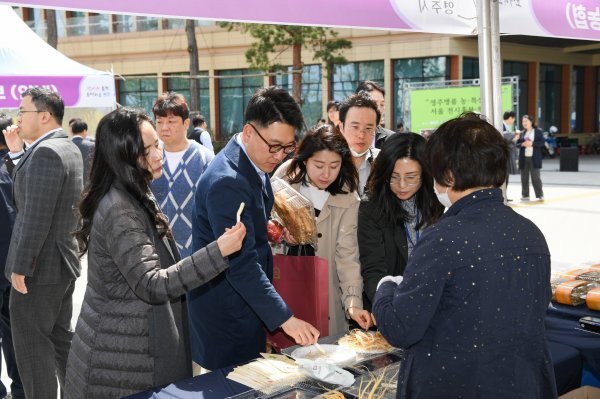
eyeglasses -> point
(409, 181)
(275, 148)
(21, 112)
(355, 130)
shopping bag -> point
(303, 283)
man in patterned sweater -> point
(185, 161)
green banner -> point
(429, 108)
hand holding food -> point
(275, 231)
(302, 332)
(361, 316)
(231, 241)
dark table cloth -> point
(213, 385)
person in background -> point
(530, 145)
(333, 114)
(229, 315)
(377, 93)
(200, 133)
(7, 219)
(322, 170)
(399, 205)
(85, 144)
(400, 127)
(359, 117)
(132, 332)
(469, 311)
(185, 162)
(42, 262)
(511, 135)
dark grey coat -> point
(132, 333)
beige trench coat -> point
(338, 243)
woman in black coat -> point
(530, 145)
(400, 203)
(132, 331)
(471, 306)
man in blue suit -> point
(228, 315)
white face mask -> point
(443, 197)
(358, 154)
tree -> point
(190, 30)
(273, 40)
(51, 29)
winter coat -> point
(470, 310)
(132, 332)
(337, 242)
(383, 249)
(538, 143)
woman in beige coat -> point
(322, 170)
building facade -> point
(559, 79)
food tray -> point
(390, 380)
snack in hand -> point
(239, 212)
(295, 212)
(274, 231)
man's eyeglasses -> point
(275, 148)
(409, 181)
(21, 112)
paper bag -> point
(303, 283)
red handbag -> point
(303, 283)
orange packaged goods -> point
(590, 275)
(295, 212)
(555, 282)
(573, 292)
(592, 299)
(574, 273)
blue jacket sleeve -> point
(404, 312)
(245, 274)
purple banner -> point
(11, 88)
(359, 13)
(578, 19)
(569, 18)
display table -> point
(213, 385)
(573, 352)
(562, 328)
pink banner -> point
(577, 19)
(11, 88)
(360, 13)
(568, 18)
(76, 91)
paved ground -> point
(569, 218)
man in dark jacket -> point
(377, 93)
(229, 315)
(85, 144)
(7, 219)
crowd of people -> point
(180, 267)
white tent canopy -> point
(26, 60)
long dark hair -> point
(388, 206)
(119, 158)
(325, 138)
